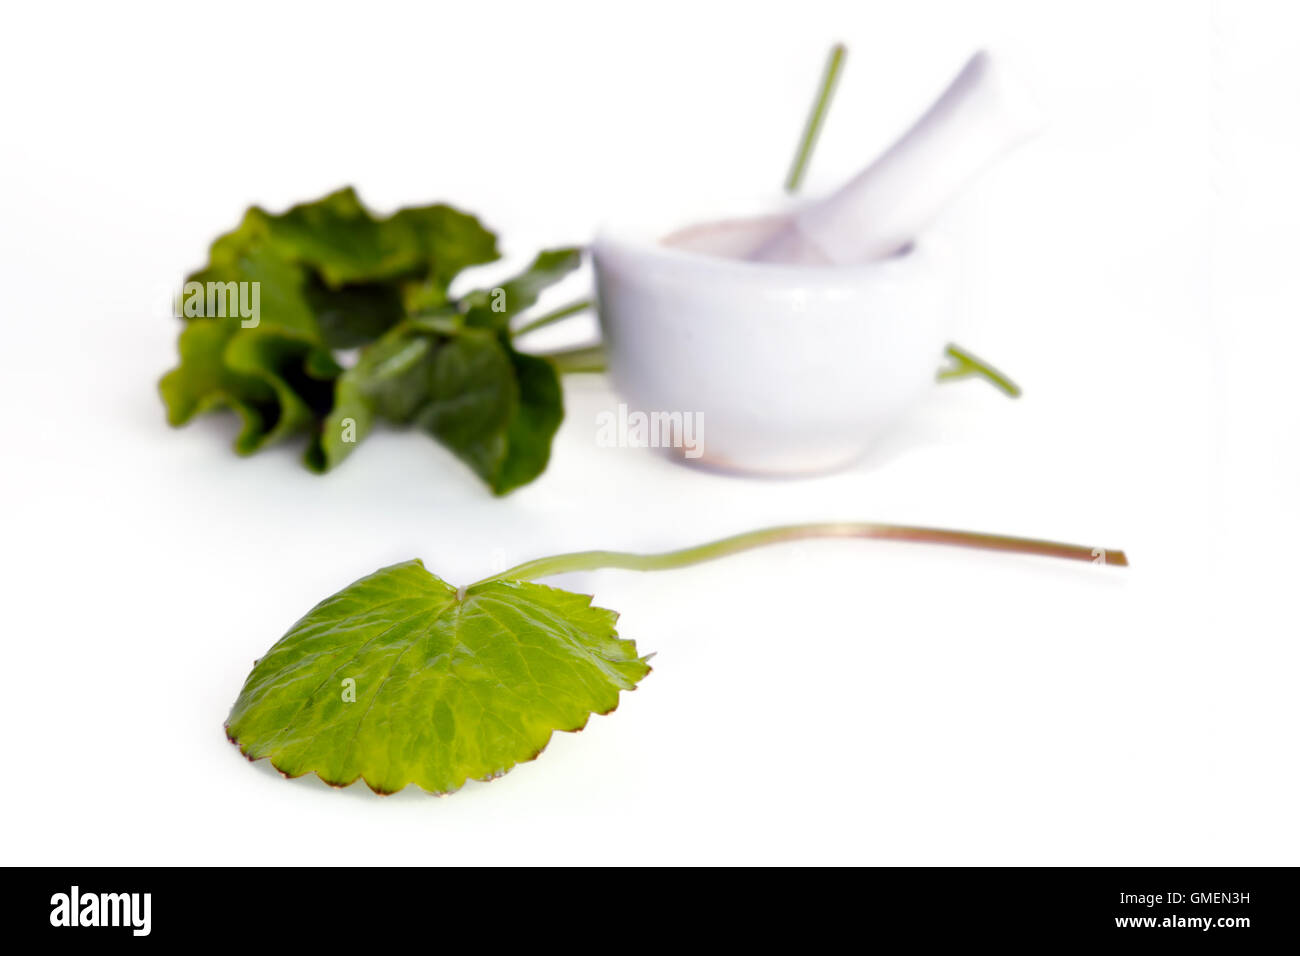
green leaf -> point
(354, 315)
(390, 379)
(449, 240)
(343, 242)
(399, 678)
(295, 368)
(536, 420)
(277, 382)
(333, 270)
(494, 308)
(495, 408)
(245, 256)
(202, 382)
(472, 395)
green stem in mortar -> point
(809, 139)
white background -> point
(1134, 269)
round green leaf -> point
(399, 678)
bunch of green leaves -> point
(333, 277)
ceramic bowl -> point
(789, 369)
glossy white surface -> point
(843, 702)
(792, 369)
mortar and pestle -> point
(800, 336)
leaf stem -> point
(587, 358)
(814, 124)
(595, 560)
(968, 364)
(552, 317)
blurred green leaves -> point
(330, 276)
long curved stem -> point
(587, 358)
(593, 560)
(550, 318)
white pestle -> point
(982, 114)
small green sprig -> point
(966, 364)
(816, 116)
